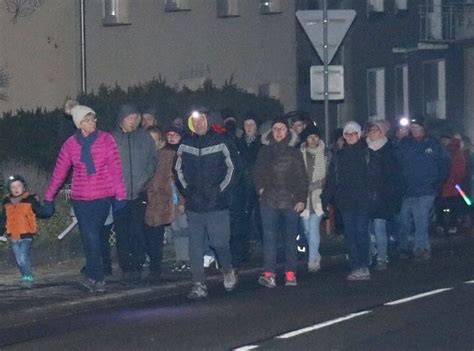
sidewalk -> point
(57, 293)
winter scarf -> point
(86, 155)
(376, 144)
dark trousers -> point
(276, 221)
(154, 247)
(214, 225)
(129, 227)
(356, 232)
(106, 259)
(91, 216)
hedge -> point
(34, 137)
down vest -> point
(206, 168)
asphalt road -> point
(324, 312)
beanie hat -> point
(282, 120)
(352, 126)
(126, 110)
(311, 129)
(15, 178)
(381, 124)
(176, 130)
(419, 120)
(78, 112)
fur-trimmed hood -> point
(267, 138)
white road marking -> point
(248, 347)
(321, 325)
(469, 282)
(414, 297)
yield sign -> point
(339, 22)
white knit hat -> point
(352, 126)
(78, 112)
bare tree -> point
(4, 80)
(22, 8)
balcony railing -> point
(447, 23)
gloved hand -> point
(118, 205)
(48, 208)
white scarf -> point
(376, 144)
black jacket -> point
(206, 167)
(384, 184)
(347, 182)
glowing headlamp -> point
(195, 114)
(404, 122)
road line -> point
(414, 297)
(469, 282)
(248, 347)
(321, 325)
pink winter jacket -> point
(107, 181)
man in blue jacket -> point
(424, 166)
(206, 168)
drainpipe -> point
(83, 46)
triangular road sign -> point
(339, 22)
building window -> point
(269, 89)
(177, 5)
(270, 7)
(115, 13)
(434, 89)
(375, 7)
(401, 91)
(401, 5)
(227, 8)
(376, 93)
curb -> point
(143, 294)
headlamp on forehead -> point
(404, 122)
(195, 114)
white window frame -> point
(375, 6)
(379, 93)
(401, 5)
(177, 5)
(270, 7)
(405, 91)
(119, 14)
(440, 104)
(227, 8)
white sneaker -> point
(313, 267)
(230, 280)
(208, 260)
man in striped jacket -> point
(206, 167)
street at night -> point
(323, 312)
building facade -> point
(126, 42)
(394, 67)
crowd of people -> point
(220, 189)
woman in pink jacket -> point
(97, 183)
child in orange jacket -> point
(18, 220)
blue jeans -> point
(356, 231)
(21, 250)
(313, 237)
(91, 216)
(418, 208)
(379, 228)
(215, 226)
(275, 221)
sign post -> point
(333, 25)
